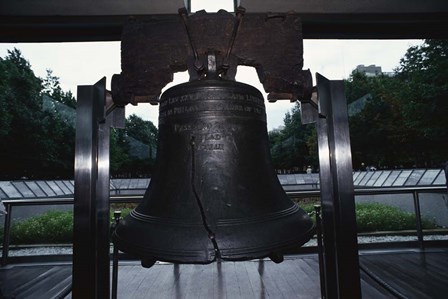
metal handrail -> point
(415, 191)
(10, 203)
(65, 200)
(375, 191)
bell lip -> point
(143, 254)
(177, 257)
(244, 253)
(197, 257)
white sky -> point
(86, 63)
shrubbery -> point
(377, 217)
(371, 217)
(57, 227)
(48, 228)
(53, 227)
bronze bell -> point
(214, 193)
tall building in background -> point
(370, 70)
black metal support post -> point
(90, 104)
(418, 220)
(6, 234)
(91, 245)
(320, 251)
(117, 218)
(341, 261)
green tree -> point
(372, 130)
(52, 87)
(143, 130)
(405, 123)
(122, 162)
(293, 147)
(119, 148)
(20, 97)
(423, 96)
(35, 143)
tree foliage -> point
(123, 163)
(404, 124)
(33, 141)
(39, 143)
(52, 88)
(293, 148)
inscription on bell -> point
(211, 147)
(218, 107)
(196, 126)
(215, 136)
(214, 96)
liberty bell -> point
(214, 193)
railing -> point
(9, 204)
(415, 191)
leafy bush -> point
(378, 217)
(372, 217)
(51, 227)
(307, 207)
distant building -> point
(278, 129)
(389, 74)
(370, 70)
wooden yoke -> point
(152, 50)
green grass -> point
(57, 227)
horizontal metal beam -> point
(88, 7)
(101, 20)
(293, 194)
(315, 26)
(156, 7)
(345, 6)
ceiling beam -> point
(102, 20)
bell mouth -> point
(237, 239)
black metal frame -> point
(91, 246)
(84, 20)
(91, 230)
(414, 191)
(376, 20)
(328, 110)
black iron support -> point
(91, 245)
(117, 218)
(6, 234)
(326, 196)
(320, 252)
(102, 207)
(341, 261)
(90, 105)
(418, 220)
